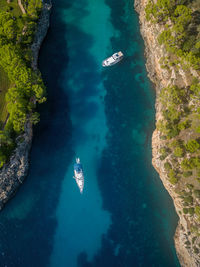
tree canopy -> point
(27, 86)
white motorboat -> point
(115, 58)
(78, 174)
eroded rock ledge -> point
(43, 25)
(161, 78)
(13, 173)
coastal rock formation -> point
(13, 173)
(43, 25)
(162, 77)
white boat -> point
(115, 58)
(78, 174)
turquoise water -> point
(106, 117)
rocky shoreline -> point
(13, 173)
(162, 78)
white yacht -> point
(78, 174)
(115, 58)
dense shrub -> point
(173, 180)
(172, 177)
(191, 211)
(190, 186)
(184, 125)
(178, 35)
(197, 211)
(188, 199)
(27, 86)
(187, 174)
(197, 193)
(164, 151)
(178, 152)
(167, 166)
(192, 146)
(185, 210)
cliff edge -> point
(13, 173)
(186, 241)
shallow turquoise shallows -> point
(105, 116)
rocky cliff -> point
(43, 25)
(13, 173)
(185, 240)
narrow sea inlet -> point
(105, 116)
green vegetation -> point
(194, 239)
(189, 164)
(7, 145)
(178, 36)
(167, 166)
(185, 210)
(4, 85)
(164, 151)
(197, 193)
(187, 243)
(172, 177)
(32, 7)
(12, 7)
(190, 186)
(171, 97)
(192, 146)
(188, 200)
(189, 211)
(196, 250)
(197, 211)
(187, 174)
(20, 87)
(179, 118)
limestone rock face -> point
(162, 78)
(43, 25)
(13, 173)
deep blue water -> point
(106, 116)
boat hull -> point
(79, 181)
(78, 175)
(114, 59)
